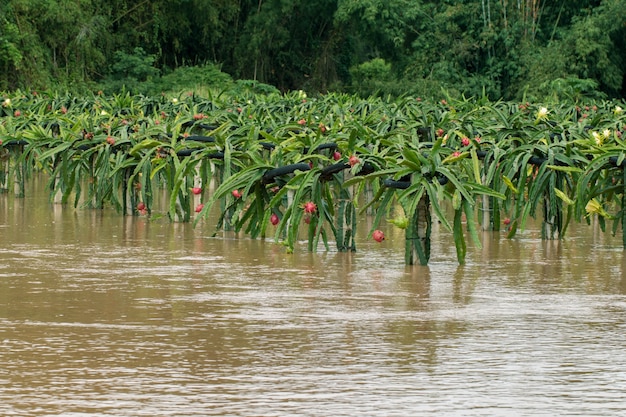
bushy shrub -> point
(371, 77)
(571, 89)
(192, 78)
(133, 72)
(255, 87)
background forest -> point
(509, 49)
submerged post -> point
(19, 182)
(486, 221)
(552, 225)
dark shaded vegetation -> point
(509, 49)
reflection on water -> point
(105, 315)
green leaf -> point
(471, 223)
(144, 144)
(564, 168)
(411, 159)
(509, 184)
(456, 199)
(62, 147)
(476, 166)
(459, 239)
(484, 190)
(454, 157)
(434, 202)
(563, 197)
(456, 182)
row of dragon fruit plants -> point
(294, 166)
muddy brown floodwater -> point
(108, 315)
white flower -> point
(542, 113)
(594, 207)
(606, 133)
(301, 94)
(103, 113)
(597, 138)
(617, 110)
(6, 103)
(174, 100)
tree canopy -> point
(499, 48)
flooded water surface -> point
(108, 315)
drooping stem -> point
(346, 218)
(459, 238)
(552, 225)
(417, 246)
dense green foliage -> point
(468, 163)
(511, 49)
